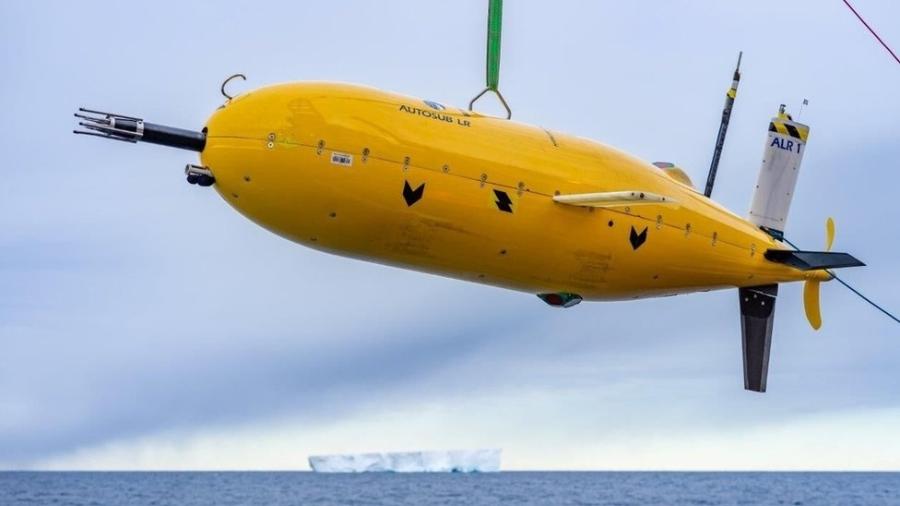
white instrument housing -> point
(783, 152)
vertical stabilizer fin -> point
(757, 316)
(782, 155)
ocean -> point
(518, 488)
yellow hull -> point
(340, 168)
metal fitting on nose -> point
(199, 175)
(119, 127)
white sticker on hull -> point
(343, 159)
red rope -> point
(863, 21)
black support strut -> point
(130, 129)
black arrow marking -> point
(504, 203)
(637, 239)
(412, 196)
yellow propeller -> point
(811, 303)
(811, 287)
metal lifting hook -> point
(496, 92)
(225, 83)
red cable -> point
(863, 21)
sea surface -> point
(539, 488)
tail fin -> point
(757, 318)
(785, 146)
(758, 309)
(813, 260)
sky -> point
(146, 325)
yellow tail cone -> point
(811, 303)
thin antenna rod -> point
(723, 127)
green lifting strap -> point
(492, 74)
(495, 21)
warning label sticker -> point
(343, 159)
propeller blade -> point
(829, 234)
(811, 303)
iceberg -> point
(453, 461)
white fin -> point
(613, 199)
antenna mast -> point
(723, 127)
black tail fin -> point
(812, 260)
(757, 317)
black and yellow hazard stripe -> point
(732, 92)
(790, 129)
